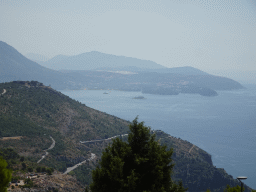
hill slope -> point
(14, 66)
(35, 112)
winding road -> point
(75, 166)
(92, 141)
(92, 154)
(191, 148)
(46, 153)
(3, 92)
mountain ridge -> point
(94, 59)
(14, 66)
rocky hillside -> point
(28, 175)
(36, 114)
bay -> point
(224, 126)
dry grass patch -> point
(10, 138)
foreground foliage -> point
(232, 189)
(142, 164)
(5, 175)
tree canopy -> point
(233, 189)
(140, 165)
(5, 175)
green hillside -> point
(35, 112)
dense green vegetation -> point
(20, 163)
(35, 111)
(5, 175)
(18, 126)
(11, 156)
(44, 106)
(84, 173)
(233, 189)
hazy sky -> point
(206, 34)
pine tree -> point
(233, 189)
(141, 165)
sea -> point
(224, 126)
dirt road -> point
(191, 148)
(92, 141)
(75, 166)
(46, 153)
(3, 92)
(92, 154)
(8, 138)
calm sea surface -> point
(224, 126)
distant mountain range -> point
(147, 76)
(94, 60)
(81, 61)
(14, 66)
(106, 62)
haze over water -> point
(224, 126)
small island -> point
(139, 97)
(176, 90)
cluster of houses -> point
(15, 183)
(34, 177)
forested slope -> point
(35, 112)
